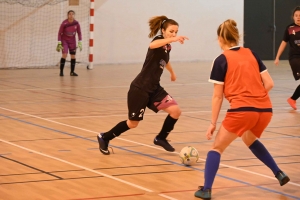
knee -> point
(175, 113)
(248, 138)
(217, 149)
(247, 142)
(132, 124)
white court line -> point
(33, 116)
(153, 147)
(152, 114)
(103, 87)
(125, 114)
(78, 166)
(167, 197)
(85, 168)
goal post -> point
(29, 29)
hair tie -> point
(163, 23)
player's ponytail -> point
(229, 32)
(159, 22)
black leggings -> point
(295, 65)
(296, 94)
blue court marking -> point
(154, 157)
(92, 148)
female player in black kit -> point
(292, 36)
(145, 90)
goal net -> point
(29, 29)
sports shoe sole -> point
(284, 181)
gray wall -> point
(121, 28)
(28, 34)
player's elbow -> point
(152, 46)
(269, 85)
(218, 97)
(267, 81)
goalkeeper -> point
(67, 41)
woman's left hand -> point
(210, 131)
(173, 77)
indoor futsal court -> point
(49, 123)
(49, 148)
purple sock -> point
(211, 168)
(259, 150)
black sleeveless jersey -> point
(149, 77)
(292, 36)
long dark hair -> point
(296, 9)
(158, 23)
(71, 11)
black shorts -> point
(138, 100)
(295, 65)
(73, 52)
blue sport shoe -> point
(282, 178)
(203, 194)
(103, 144)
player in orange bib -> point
(240, 76)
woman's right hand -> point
(59, 46)
(276, 61)
(180, 39)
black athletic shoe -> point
(282, 178)
(103, 144)
(73, 74)
(163, 143)
(203, 194)
(61, 74)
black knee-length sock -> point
(73, 62)
(116, 131)
(168, 126)
(62, 64)
(296, 94)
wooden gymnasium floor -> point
(48, 147)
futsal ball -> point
(189, 155)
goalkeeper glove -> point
(80, 45)
(59, 46)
